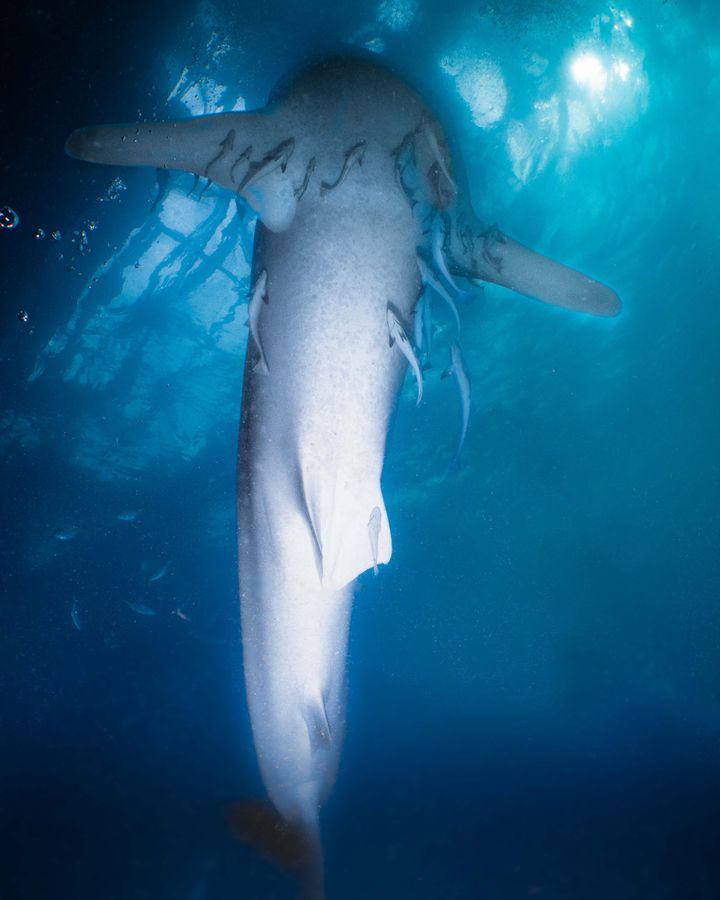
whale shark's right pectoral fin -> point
(493, 256)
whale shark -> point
(347, 169)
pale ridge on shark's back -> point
(348, 173)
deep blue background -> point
(534, 679)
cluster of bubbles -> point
(115, 188)
(81, 237)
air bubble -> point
(9, 219)
(38, 234)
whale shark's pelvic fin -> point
(337, 511)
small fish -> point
(438, 234)
(354, 155)
(180, 614)
(160, 573)
(397, 333)
(275, 159)
(257, 298)
(418, 323)
(225, 146)
(140, 608)
(75, 615)
(429, 278)
(129, 515)
(428, 333)
(423, 330)
(67, 534)
(428, 133)
(205, 187)
(306, 180)
(246, 154)
(457, 369)
(373, 534)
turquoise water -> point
(533, 703)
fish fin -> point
(259, 824)
(337, 508)
(427, 365)
(501, 260)
(261, 367)
(273, 199)
(447, 372)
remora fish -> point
(457, 369)
(397, 335)
(275, 159)
(354, 155)
(306, 180)
(429, 278)
(438, 234)
(67, 534)
(312, 444)
(258, 299)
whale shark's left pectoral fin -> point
(216, 147)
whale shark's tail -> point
(293, 846)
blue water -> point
(534, 704)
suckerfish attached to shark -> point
(311, 515)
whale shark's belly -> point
(312, 445)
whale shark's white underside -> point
(348, 173)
